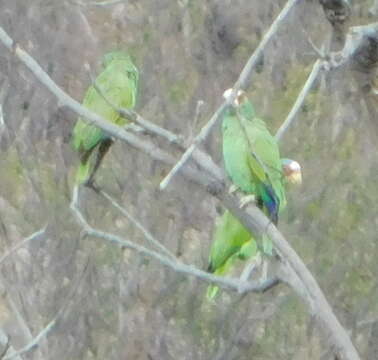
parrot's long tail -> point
(87, 170)
(271, 202)
(82, 173)
(212, 290)
(84, 169)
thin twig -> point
(240, 83)
(3, 93)
(6, 348)
(144, 231)
(250, 267)
(301, 97)
(178, 266)
(192, 126)
(47, 329)
(33, 236)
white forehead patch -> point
(294, 166)
(227, 93)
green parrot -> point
(251, 156)
(232, 241)
(118, 83)
(252, 161)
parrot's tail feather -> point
(271, 202)
(83, 173)
(211, 293)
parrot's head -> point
(241, 102)
(120, 55)
(116, 55)
(292, 171)
(239, 99)
(126, 62)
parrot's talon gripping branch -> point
(245, 200)
(260, 288)
(250, 267)
(91, 184)
(233, 189)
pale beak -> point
(295, 178)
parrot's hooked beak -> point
(295, 178)
(292, 171)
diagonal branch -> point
(300, 99)
(174, 263)
(33, 236)
(150, 238)
(240, 83)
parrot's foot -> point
(264, 271)
(233, 188)
(135, 128)
(252, 266)
(244, 201)
(92, 185)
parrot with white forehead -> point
(252, 161)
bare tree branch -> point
(5, 340)
(6, 348)
(300, 99)
(33, 236)
(360, 48)
(174, 263)
(240, 83)
(138, 225)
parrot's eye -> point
(131, 75)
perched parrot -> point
(252, 157)
(118, 83)
(252, 161)
(233, 241)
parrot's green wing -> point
(236, 152)
(232, 241)
(263, 160)
(118, 83)
(229, 237)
